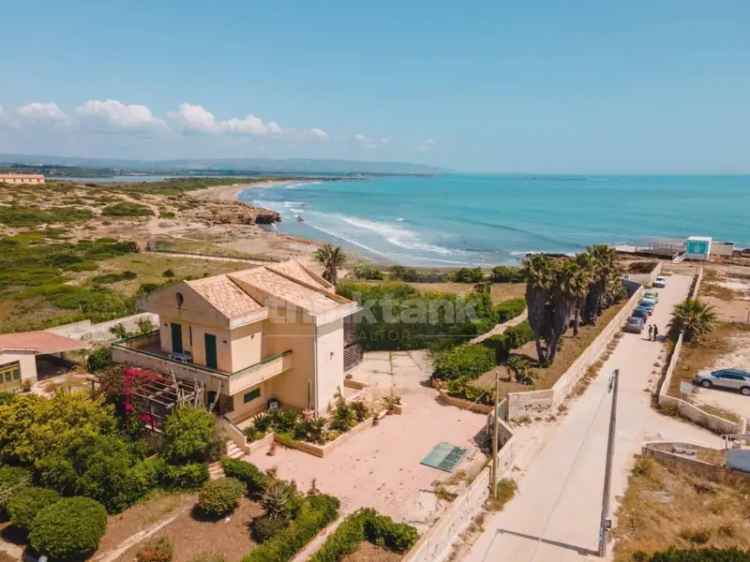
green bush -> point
(254, 479)
(185, 477)
(696, 555)
(126, 209)
(468, 275)
(513, 338)
(189, 435)
(12, 480)
(266, 527)
(156, 550)
(27, 502)
(462, 388)
(99, 359)
(467, 361)
(6, 397)
(315, 514)
(367, 272)
(509, 309)
(220, 497)
(366, 524)
(56, 472)
(108, 278)
(507, 274)
(70, 528)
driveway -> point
(555, 514)
(379, 467)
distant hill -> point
(223, 165)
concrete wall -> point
(86, 331)
(663, 452)
(687, 410)
(330, 358)
(294, 388)
(522, 404)
(646, 279)
(436, 544)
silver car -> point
(733, 379)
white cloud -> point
(318, 134)
(197, 119)
(427, 145)
(42, 112)
(370, 142)
(118, 115)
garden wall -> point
(663, 452)
(683, 407)
(436, 544)
(646, 279)
(521, 404)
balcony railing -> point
(145, 351)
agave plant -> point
(694, 318)
(331, 258)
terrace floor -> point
(379, 467)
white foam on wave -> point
(397, 235)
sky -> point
(581, 86)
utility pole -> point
(495, 432)
(606, 523)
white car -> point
(660, 282)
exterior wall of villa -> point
(26, 360)
(330, 358)
(19, 179)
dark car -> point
(635, 325)
(641, 313)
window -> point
(10, 377)
(252, 395)
(180, 300)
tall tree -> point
(331, 258)
(606, 284)
(578, 284)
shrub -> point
(506, 489)
(99, 359)
(6, 397)
(56, 472)
(506, 310)
(315, 514)
(367, 272)
(168, 273)
(12, 480)
(220, 497)
(281, 500)
(696, 555)
(513, 338)
(462, 388)
(468, 275)
(70, 528)
(189, 435)
(126, 209)
(109, 278)
(156, 550)
(466, 360)
(185, 477)
(507, 274)
(266, 527)
(254, 479)
(522, 370)
(366, 524)
(344, 416)
(361, 411)
(27, 502)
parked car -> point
(652, 295)
(645, 303)
(734, 379)
(635, 324)
(641, 313)
(660, 282)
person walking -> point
(650, 332)
(656, 332)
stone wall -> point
(665, 454)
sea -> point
(460, 219)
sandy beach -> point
(231, 192)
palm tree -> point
(537, 272)
(694, 318)
(606, 285)
(331, 258)
(579, 280)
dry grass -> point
(673, 507)
(500, 292)
(368, 552)
(702, 355)
(5, 557)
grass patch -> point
(666, 507)
(18, 216)
(506, 489)
(126, 209)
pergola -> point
(154, 397)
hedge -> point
(366, 525)
(508, 310)
(696, 555)
(512, 338)
(314, 515)
(25, 504)
(186, 476)
(12, 479)
(70, 528)
(469, 361)
(247, 473)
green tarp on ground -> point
(444, 456)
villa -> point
(269, 333)
(22, 179)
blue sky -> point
(585, 86)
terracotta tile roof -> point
(39, 342)
(268, 281)
(294, 269)
(221, 292)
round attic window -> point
(180, 299)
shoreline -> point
(230, 193)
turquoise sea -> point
(491, 219)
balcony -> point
(145, 351)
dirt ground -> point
(368, 552)
(190, 535)
(727, 289)
(380, 467)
